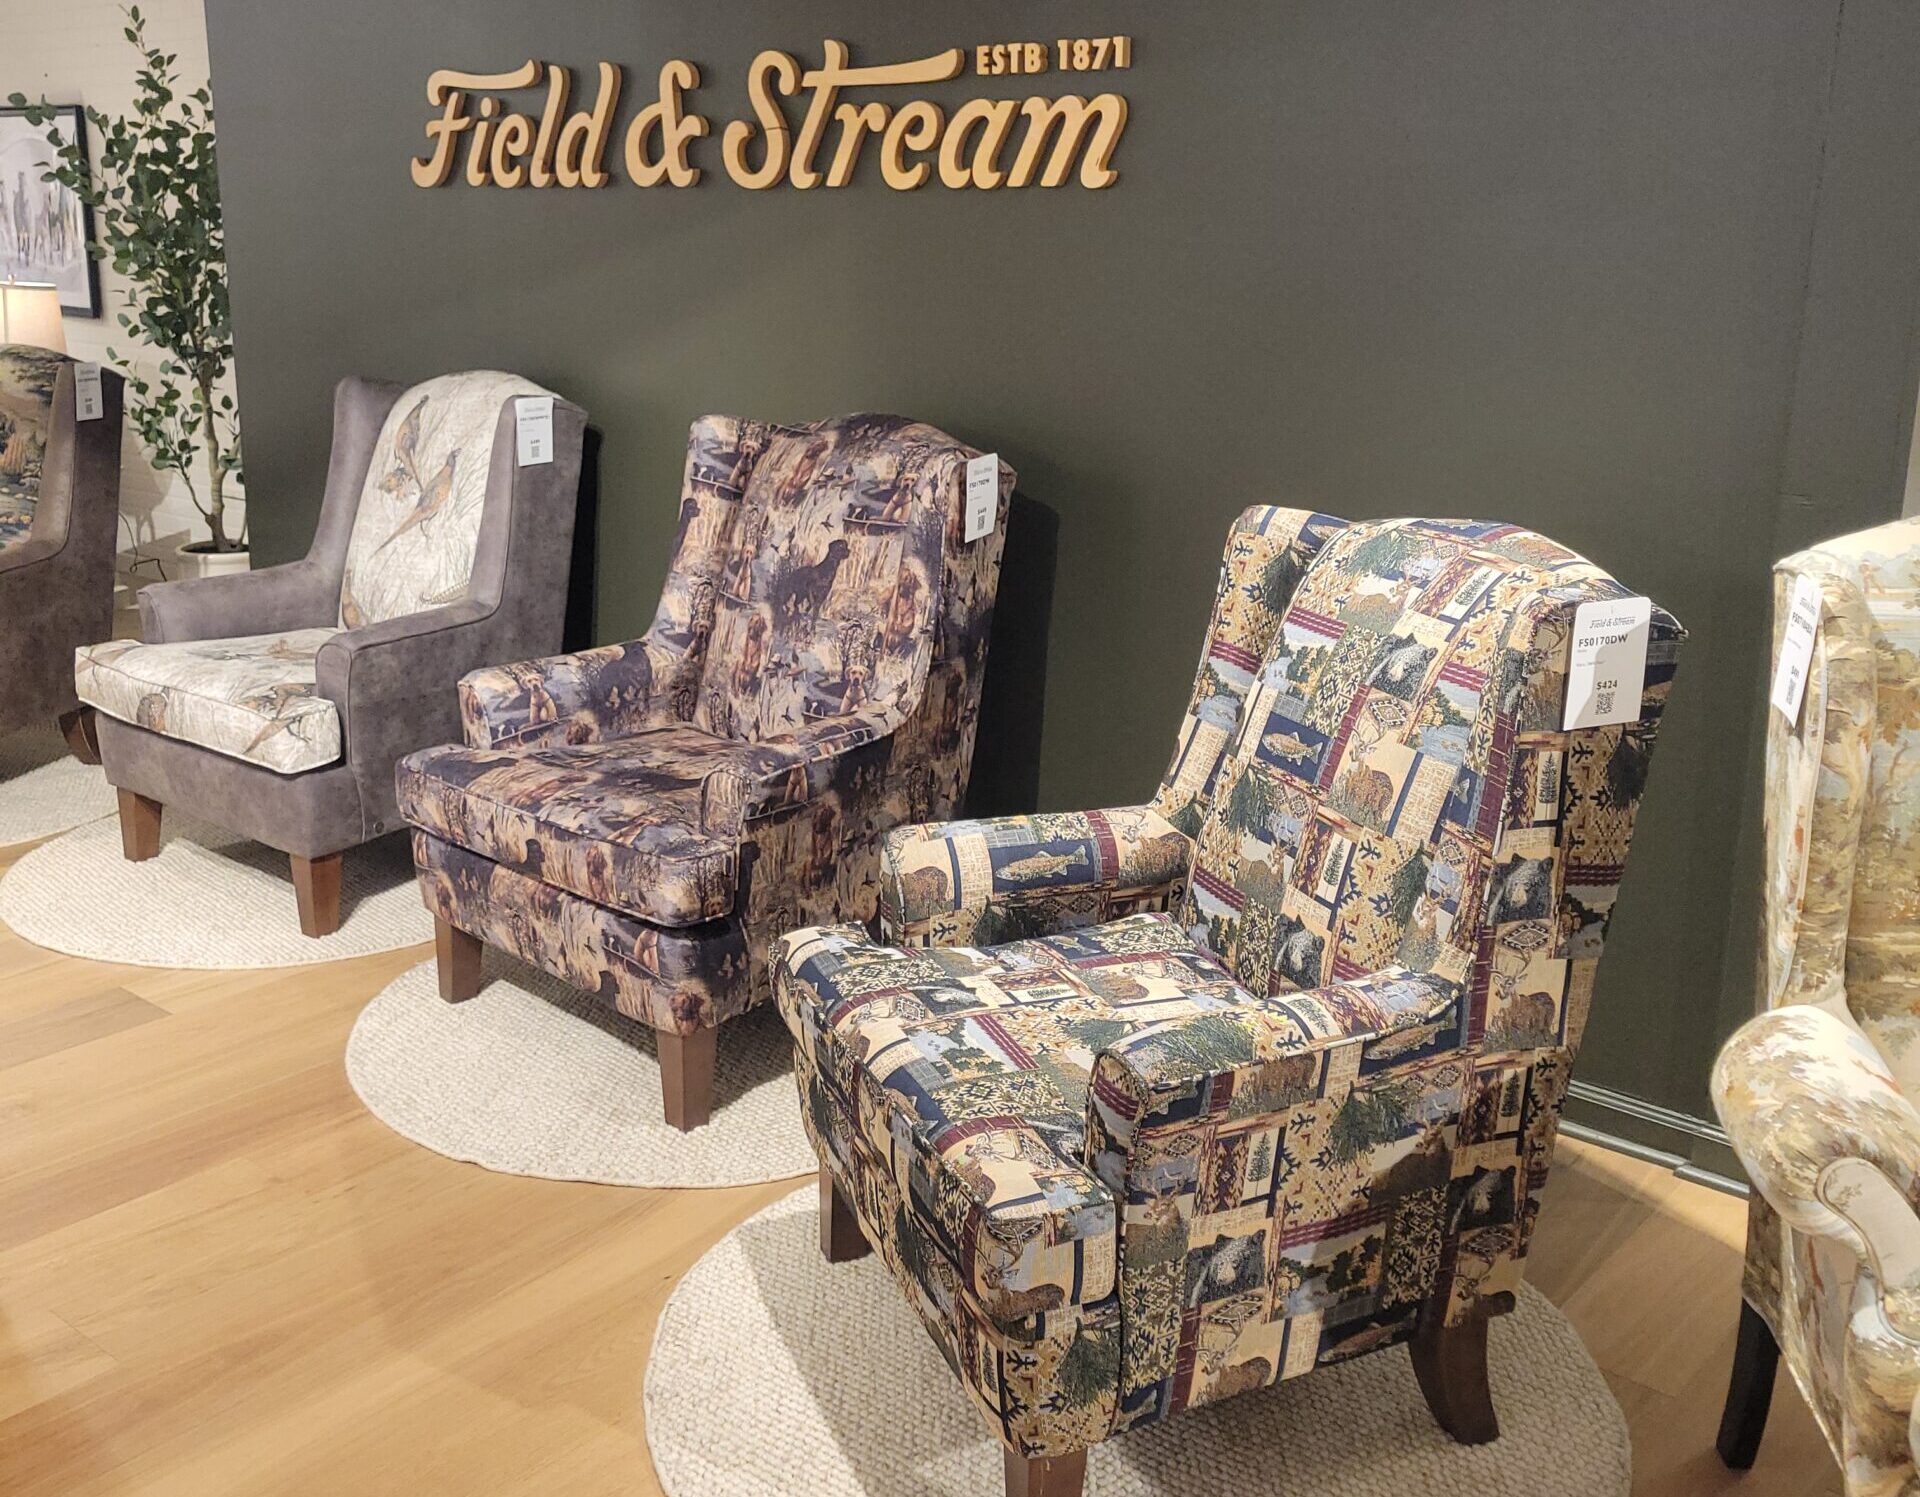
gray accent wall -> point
(1639, 275)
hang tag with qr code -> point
(88, 403)
(983, 494)
(533, 429)
(1796, 646)
(1607, 670)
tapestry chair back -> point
(27, 379)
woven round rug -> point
(210, 900)
(44, 789)
(533, 1077)
(836, 1391)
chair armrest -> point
(586, 697)
(1263, 1056)
(1828, 1138)
(393, 684)
(297, 595)
(965, 883)
(27, 553)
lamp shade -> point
(30, 313)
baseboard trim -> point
(1694, 1148)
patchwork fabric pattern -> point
(1005, 877)
(27, 378)
(1336, 1116)
(250, 698)
(418, 522)
(1827, 1077)
(821, 640)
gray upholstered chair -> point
(276, 702)
(59, 507)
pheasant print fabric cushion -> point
(251, 698)
(27, 377)
(418, 522)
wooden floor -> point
(219, 1275)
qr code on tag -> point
(1603, 702)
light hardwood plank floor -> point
(219, 1275)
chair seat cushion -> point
(649, 823)
(251, 697)
(967, 1068)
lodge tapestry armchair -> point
(1818, 1092)
(642, 819)
(59, 516)
(1270, 1071)
(276, 702)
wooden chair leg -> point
(1756, 1357)
(841, 1240)
(83, 738)
(139, 827)
(686, 1076)
(456, 956)
(1451, 1364)
(316, 889)
(1045, 1475)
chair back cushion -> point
(1842, 819)
(825, 596)
(1267, 554)
(1401, 791)
(418, 521)
(27, 378)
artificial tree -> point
(156, 204)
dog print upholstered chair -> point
(1264, 1073)
(59, 514)
(276, 702)
(1818, 1093)
(641, 820)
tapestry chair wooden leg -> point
(316, 889)
(1450, 1362)
(1756, 1357)
(841, 1240)
(686, 1076)
(1047, 1475)
(139, 827)
(456, 957)
(83, 738)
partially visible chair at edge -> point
(642, 819)
(59, 516)
(277, 702)
(1819, 1092)
(1269, 1070)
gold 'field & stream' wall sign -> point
(986, 143)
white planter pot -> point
(211, 563)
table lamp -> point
(30, 313)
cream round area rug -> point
(533, 1077)
(44, 789)
(777, 1374)
(209, 900)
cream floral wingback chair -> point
(276, 702)
(1267, 1073)
(1818, 1092)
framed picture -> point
(46, 232)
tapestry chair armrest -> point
(297, 595)
(1026, 1229)
(589, 696)
(1827, 1136)
(1265, 1057)
(980, 882)
(795, 767)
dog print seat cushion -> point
(418, 522)
(250, 698)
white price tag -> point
(1607, 671)
(1796, 646)
(983, 494)
(88, 405)
(533, 429)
